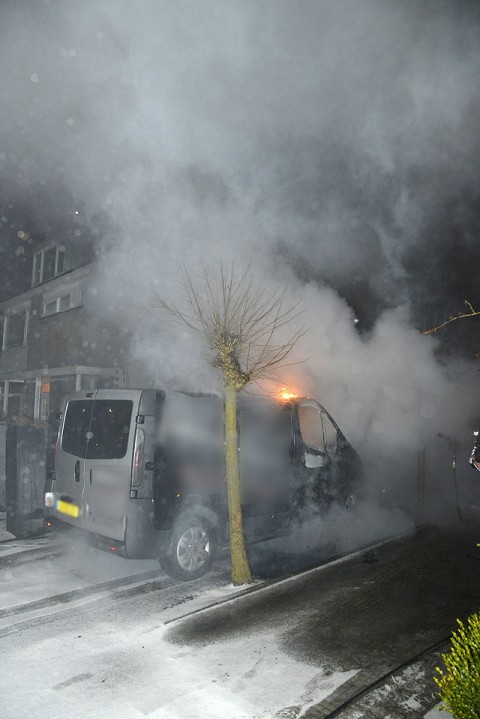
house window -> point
(60, 260)
(50, 307)
(37, 268)
(58, 304)
(64, 302)
(48, 263)
(14, 332)
(16, 399)
(49, 260)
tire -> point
(190, 550)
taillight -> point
(49, 499)
(138, 457)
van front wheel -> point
(190, 550)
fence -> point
(23, 451)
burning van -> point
(144, 472)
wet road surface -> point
(371, 614)
(365, 615)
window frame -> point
(97, 426)
(57, 301)
(312, 407)
(326, 422)
(38, 268)
(6, 323)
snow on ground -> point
(131, 670)
(66, 564)
(92, 658)
(437, 714)
(35, 581)
(86, 659)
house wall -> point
(3, 466)
(32, 378)
(72, 337)
(13, 360)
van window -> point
(76, 427)
(330, 434)
(98, 429)
(265, 442)
(311, 427)
(109, 429)
(192, 422)
(191, 435)
(265, 438)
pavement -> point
(289, 648)
(55, 563)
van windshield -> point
(98, 429)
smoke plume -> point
(334, 146)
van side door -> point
(265, 459)
(190, 459)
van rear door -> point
(108, 464)
(93, 461)
(70, 460)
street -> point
(122, 639)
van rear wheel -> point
(190, 551)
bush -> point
(460, 682)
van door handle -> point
(76, 471)
(149, 466)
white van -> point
(144, 473)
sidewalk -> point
(35, 568)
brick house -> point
(50, 344)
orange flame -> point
(285, 394)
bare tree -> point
(239, 325)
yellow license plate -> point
(66, 508)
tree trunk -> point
(241, 573)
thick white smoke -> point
(318, 141)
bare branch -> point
(453, 318)
(237, 322)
